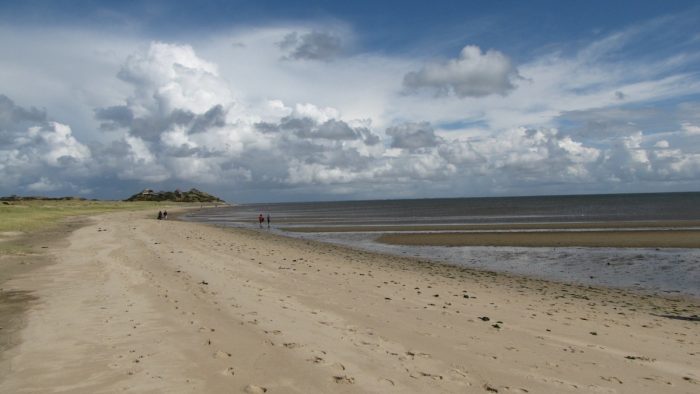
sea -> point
(663, 271)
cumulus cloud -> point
(690, 128)
(12, 115)
(55, 145)
(167, 137)
(313, 145)
(236, 120)
(311, 128)
(44, 184)
(36, 154)
(604, 123)
(524, 155)
(314, 45)
(662, 144)
(175, 119)
(332, 130)
(50, 143)
(473, 74)
(167, 76)
(412, 136)
(172, 86)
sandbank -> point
(617, 239)
(640, 224)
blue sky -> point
(385, 26)
(324, 100)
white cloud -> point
(689, 128)
(362, 85)
(412, 136)
(663, 144)
(56, 146)
(38, 155)
(221, 139)
(44, 184)
(168, 77)
(473, 74)
(66, 72)
(313, 45)
(315, 113)
(209, 111)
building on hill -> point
(193, 195)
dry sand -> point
(138, 305)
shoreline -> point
(638, 237)
(585, 238)
(622, 234)
(593, 225)
(247, 310)
(427, 265)
(637, 260)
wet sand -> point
(657, 224)
(585, 238)
(138, 305)
(20, 254)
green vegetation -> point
(32, 216)
(193, 195)
(15, 197)
(28, 216)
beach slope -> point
(138, 305)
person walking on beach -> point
(165, 215)
(268, 220)
(160, 215)
(261, 219)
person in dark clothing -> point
(165, 215)
(160, 215)
(268, 220)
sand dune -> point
(138, 305)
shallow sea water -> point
(664, 271)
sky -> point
(273, 101)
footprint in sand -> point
(221, 354)
(414, 354)
(316, 360)
(430, 375)
(228, 371)
(253, 389)
(516, 389)
(344, 379)
(612, 379)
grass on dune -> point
(28, 216)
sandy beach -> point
(127, 303)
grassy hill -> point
(193, 195)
